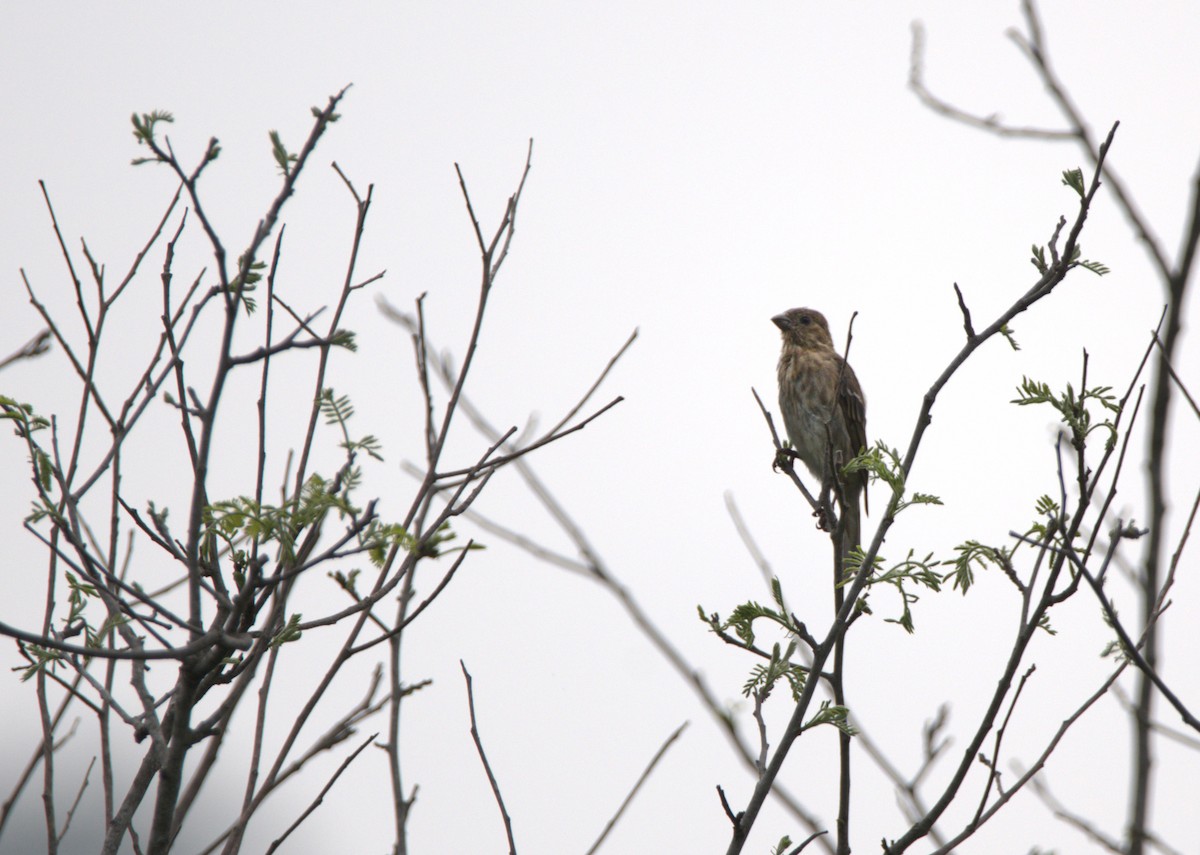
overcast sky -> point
(697, 168)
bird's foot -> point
(784, 458)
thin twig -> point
(739, 524)
(78, 797)
(992, 124)
(487, 767)
(321, 795)
(36, 346)
(637, 786)
(993, 772)
(1079, 823)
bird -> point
(823, 405)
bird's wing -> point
(853, 405)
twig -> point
(545, 440)
(733, 818)
(739, 524)
(992, 123)
(512, 846)
(1166, 364)
(537, 550)
(764, 746)
(27, 773)
(950, 846)
(966, 313)
(78, 797)
(1127, 645)
(321, 795)
(441, 586)
(1079, 823)
(1052, 745)
(993, 772)
(36, 346)
(784, 458)
(637, 786)
(804, 844)
(1178, 736)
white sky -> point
(697, 168)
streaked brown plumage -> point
(820, 401)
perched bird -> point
(823, 405)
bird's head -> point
(804, 328)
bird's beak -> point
(780, 321)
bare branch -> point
(991, 123)
(36, 346)
(675, 734)
(512, 846)
(321, 795)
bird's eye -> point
(805, 319)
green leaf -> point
(1045, 506)
(289, 633)
(25, 421)
(1039, 259)
(283, 159)
(1072, 407)
(44, 660)
(831, 714)
(247, 278)
(763, 678)
(910, 571)
(1073, 178)
(145, 124)
(337, 411)
(348, 582)
(346, 339)
(1095, 266)
(44, 469)
(970, 555)
(368, 444)
(96, 638)
(380, 538)
(885, 464)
